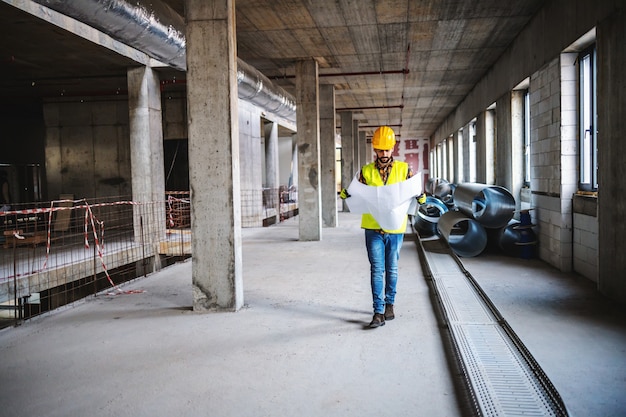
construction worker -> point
(383, 246)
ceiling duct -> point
(155, 29)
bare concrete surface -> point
(297, 348)
(577, 335)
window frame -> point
(587, 120)
(527, 138)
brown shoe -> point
(377, 321)
(389, 312)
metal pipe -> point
(395, 106)
(491, 205)
(427, 216)
(257, 88)
(465, 236)
(348, 74)
(508, 239)
(157, 30)
(517, 239)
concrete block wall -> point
(553, 225)
(554, 142)
(586, 246)
(568, 238)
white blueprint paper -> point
(389, 204)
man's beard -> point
(384, 160)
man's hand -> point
(422, 198)
(344, 194)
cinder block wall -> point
(553, 158)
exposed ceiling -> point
(404, 63)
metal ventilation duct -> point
(465, 236)
(491, 205)
(155, 29)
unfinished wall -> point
(87, 148)
(612, 155)
(553, 155)
(571, 237)
(585, 240)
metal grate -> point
(501, 375)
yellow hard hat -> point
(384, 138)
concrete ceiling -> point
(405, 63)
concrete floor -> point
(299, 346)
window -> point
(472, 151)
(443, 171)
(588, 146)
(451, 156)
(459, 142)
(527, 138)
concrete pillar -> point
(481, 175)
(611, 157)
(214, 177)
(347, 153)
(490, 146)
(146, 153)
(355, 142)
(517, 147)
(458, 157)
(308, 122)
(294, 161)
(327, 155)
(272, 171)
(469, 154)
(363, 148)
(504, 136)
(485, 147)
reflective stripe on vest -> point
(398, 173)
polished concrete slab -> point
(299, 346)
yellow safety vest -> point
(398, 173)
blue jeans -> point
(383, 252)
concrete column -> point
(146, 153)
(504, 134)
(485, 147)
(469, 157)
(481, 175)
(347, 153)
(363, 148)
(327, 155)
(517, 146)
(355, 143)
(611, 157)
(308, 122)
(456, 157)
(294, 161)
(272, 171)
(214, 176)
(490, 146)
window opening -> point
(588, 180)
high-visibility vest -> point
(398, 173)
